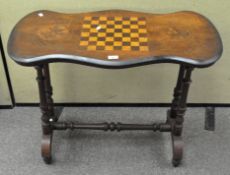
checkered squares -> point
(111, 33)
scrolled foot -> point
(46, 148)
(177, 148)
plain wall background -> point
(4, 91)
(149, 84)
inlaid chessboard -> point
(111, 33)
(115, 39)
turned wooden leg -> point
(176, 114)
(46, 106)
(49, 93)
(176, 96)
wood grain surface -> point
(115, 38)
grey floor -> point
(112, 153)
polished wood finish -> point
(46, 106)
(115, 38)
(176, 113)
(173, 124)
(162, 127)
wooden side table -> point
(115, 39)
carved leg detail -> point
(46, 106)
(176, 114)
(49, 93)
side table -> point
(115, 39)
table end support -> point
(47, 109)
(175, 115)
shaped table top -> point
(115, 39)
